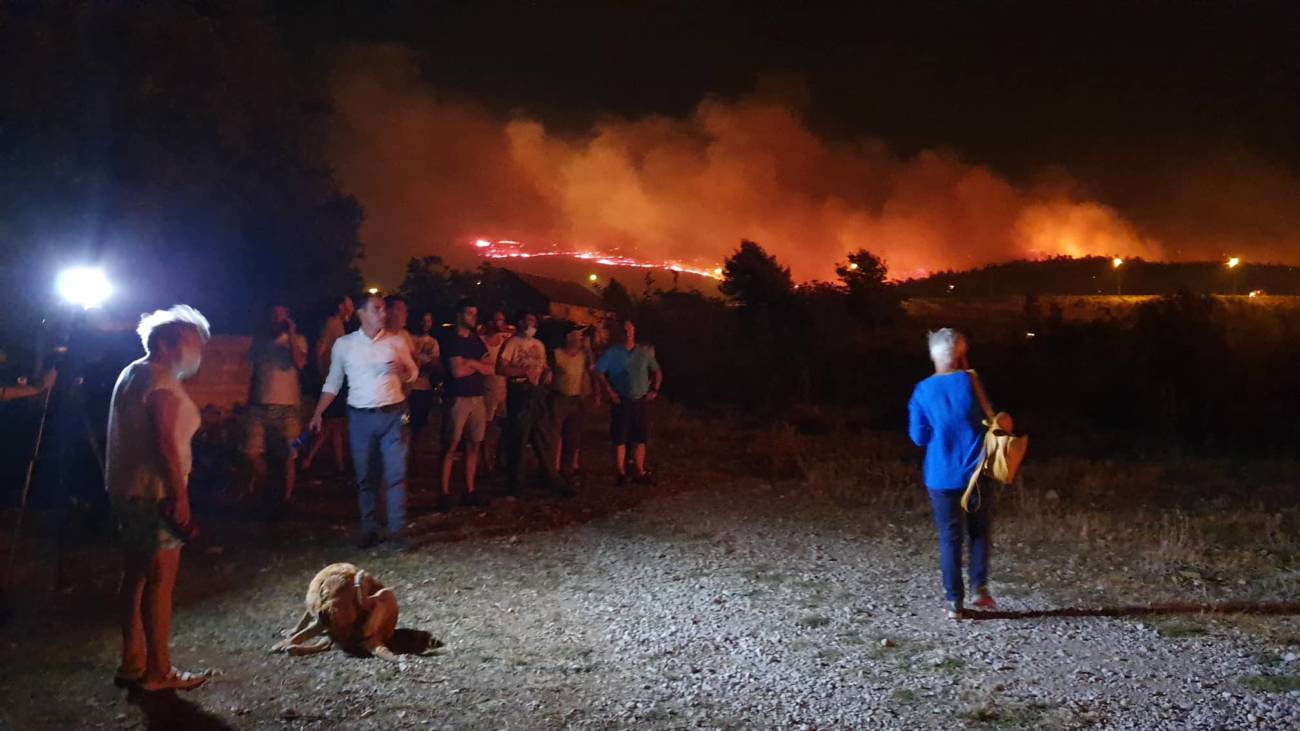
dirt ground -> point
(726, 597)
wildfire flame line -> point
(508, 249)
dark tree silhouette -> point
(618, 299)
(175, 143)
(755, 279)
(870, 297)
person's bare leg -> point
(490, 448)
(448, 462)
(620, 458)
(135, 569)
(290, 476)
(256, 475)
(638, 456)
(471, 465)
(157, 613)
(340, 426)
(316, 445)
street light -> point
(86, 287)
(1232, 263)
(1115, 264)
(592, 278)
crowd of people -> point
(382, 383)
(497, 392)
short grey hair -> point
(167, 325)
(946, 346)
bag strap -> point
(972, 487)
(980, 395)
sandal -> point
(176, 680)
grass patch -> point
(950, 664)
(903, 695)
(813, 621)
(1005, 715)
(829, 655)
(1181, 629)
(1273, 683)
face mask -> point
(530, 331)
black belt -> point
(388, 409)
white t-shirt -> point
(275, 377)
(522, 351)
(371, 367)
(134, 468)
(424, 349)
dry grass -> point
(1146, 532)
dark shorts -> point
(421, 403)
(629, 422)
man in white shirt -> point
(278, 354)
(376, 363)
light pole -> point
(1115, 264)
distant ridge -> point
(1096, 275)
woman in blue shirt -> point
(945, 416)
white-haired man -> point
(151, 421)
(945, 415)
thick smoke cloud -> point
(434, 173)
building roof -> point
(564, 292)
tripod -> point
(72, 412)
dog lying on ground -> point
(351, 608)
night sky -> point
(1015, 84)
(1157, 129)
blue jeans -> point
(379, 432)
(953, 523)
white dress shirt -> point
(373, 367)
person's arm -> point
(333, 384)
(407, 370)
(610, 393)
(462, 367)
(504, 367)
(656, 376)
(297, 347)
(164, 409)
(589, 372)
(325, 347)
(22, 390)
(435, 360)
(656, 383)
(602, 376)
(918, 426)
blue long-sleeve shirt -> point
(945, 417)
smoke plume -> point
(435, 173)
